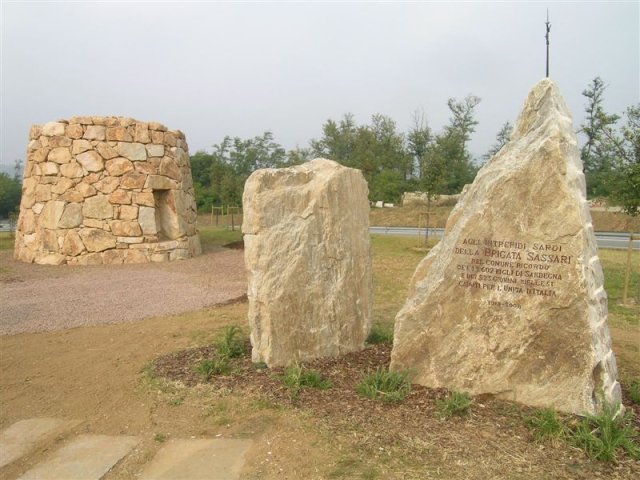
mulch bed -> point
(493, 429)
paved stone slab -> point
(23, 436)
(87, 457)
(200, 459)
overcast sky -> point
(213, 69)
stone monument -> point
(106, 190)
(511, 301)
(307, 253)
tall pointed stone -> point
(511, 301)
(306, 235)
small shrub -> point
(546, 425)
(456, 403)
(230, 345)
(296, 378)
(602, 435)
(160, 437)
(213, 366)
(634, 392)
(380, 335)
(385, 385)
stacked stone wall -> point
(106, 190)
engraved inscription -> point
(512, 267)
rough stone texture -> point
(85, 181)
(308, 259)
(86, 457)
(511, 301)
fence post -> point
(628, 270)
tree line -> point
(422, 160)
(391, 161)
(417, 160)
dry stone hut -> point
(106, 190)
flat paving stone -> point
(24, 435)
(198, 459)
(87, 457)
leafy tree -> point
(502, 137)
(418, 141)
(598, 156)
(219, 176)
(10, 194)
(450, 160)
(298, 155)
(377, 149)
(462, 123)
(626, 177)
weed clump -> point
(217, 365)
(296, 378)
(545, 424)
(634, 392)
(456, 404)
(602, 435)
(230, 346)
(385, 386)
(380, 335)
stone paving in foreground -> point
(91, 457)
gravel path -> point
(36, 298)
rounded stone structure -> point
(106, 190)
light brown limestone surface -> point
(308, 258)
(511, 301)
(84, 183)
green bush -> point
(545, 424)
(603, 434)
(385, 386)
(456, 403)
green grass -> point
(227, 347)
(614, 264)
(218, 236)
(394, 261)
(546, 424)
(210, 367)
(634, 391)
(385, 386)
(380, 334)
(6, 240)
(602, 436)
(456, 404)
(230, 346)
(296, 377)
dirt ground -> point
(40, 297)
(102, 376)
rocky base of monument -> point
(106, 190)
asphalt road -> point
(604, 239)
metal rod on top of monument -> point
(548, 24)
